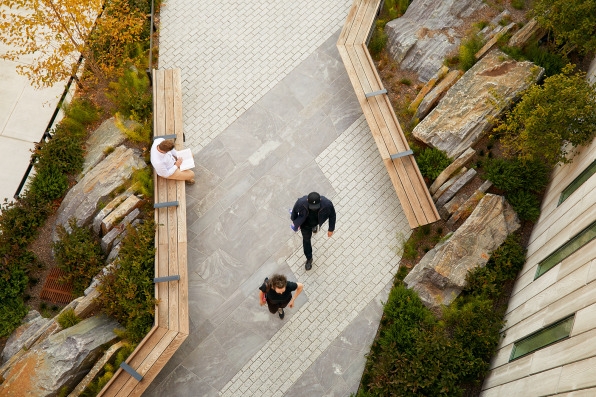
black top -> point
(274, 297)
(312, 219)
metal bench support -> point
(166, 278)
(369, 94)
(166, 204)
(131, 371)
(401, 154)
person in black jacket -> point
(309, 214)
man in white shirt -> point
(166, 163)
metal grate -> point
(55, 291)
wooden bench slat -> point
(177, 111)
(183, 313)
(367, 23)
(158, 347)
(113, 387)
(159, 111)
(158, 365)
(343, 36)
(172, 261)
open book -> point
(188, 161)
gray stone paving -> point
(298, 127)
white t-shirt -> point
(163, 163)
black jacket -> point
(300, 212)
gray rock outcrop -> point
(423, 37)
(81, 201)
(62, 360)
(470, 107)
(31, 324)
(107, 135)
(441, 274)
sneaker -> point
(308, 264)
(190, 182)
(315, 229)
(281, 313)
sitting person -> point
(166, 164)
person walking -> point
(308, 215)
(277, 293)
(166, 162)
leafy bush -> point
(551, 62)
(11, 312)
(68, 318)
(432, 162)
(49, 184)
(63, 152)
(511, 175)
(127, 292)
(468, 50)
(378, 39)
(518, 4)
(79, 254)
(562, 110)
(142, 180)
(83, 111)
(95, 387)
(132, 96)
(526, 204)
(503, 265)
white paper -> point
(188, 161)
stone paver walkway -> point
(271, 116)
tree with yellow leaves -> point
(57, 32)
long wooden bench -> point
(396, 154)
(171, 325)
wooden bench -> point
(396, 154)
(171, 325)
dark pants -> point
(274, 307)
(306, 245)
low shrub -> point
(468, 50)
(378, 39)
(526, 204)
(142, 180)
(95, 387)
(68, 318)
(518, 4)
(78, 254)
(512, 175)
(63, 151)
(127, 292)
(12, 311)
(432, 162)
(132, 96)
(49, 184)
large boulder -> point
(31, 325)
(441, 274)
(423, 37)
(81, 201)
(106, 137)
(62, 360)
(470, 107)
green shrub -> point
(142, 180)
(132, 95)
(11, 313)
(518, 4)
(95, 387)
(551, 62)
(503, 266)
(432, 162)
(512, 175)
(50, 183)
(127, 292)
(83, 111)
(526, 204)
(63, 151)
(468, 50)
(378, 40)
(78, 254)
(68, 318)
(19, 221)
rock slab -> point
(470, 107)
(32, 323)
(423, 37)
(62, 360)
(81, 201)
(441, 274)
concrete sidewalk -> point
(271, 116)
(24, 115)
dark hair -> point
(166, 145)
(278, 281)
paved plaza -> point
(271, 115)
